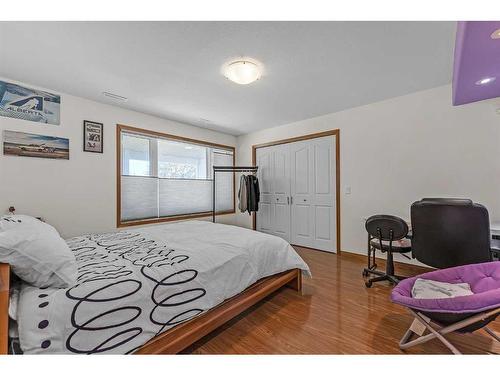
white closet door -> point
(298, 187)
(302, 220)
(264, 158)
(323, 194)
(281, 191)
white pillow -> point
(37, 254)
(12, 221)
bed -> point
(150, 290)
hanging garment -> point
(253, 193)
(243, 194)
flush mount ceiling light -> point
(243, 71)
(495, 34)
(485, 80)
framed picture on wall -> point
(29, 104)
(35, 145)
(93, 136)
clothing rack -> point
(227, 169)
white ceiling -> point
(172, 69)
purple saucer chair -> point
(459, 314)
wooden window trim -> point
(146, 132)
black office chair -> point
(386, 233)
(450, 232)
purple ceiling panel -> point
(477, 57)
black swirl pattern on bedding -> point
(105, 283)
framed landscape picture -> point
(93, 136)
(35, 145)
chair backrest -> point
(386, 227)
(450, 232)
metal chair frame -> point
(438, 331)
(372, 265)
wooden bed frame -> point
(183, 335)
(4, 307)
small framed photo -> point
(93, 136)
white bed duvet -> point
(136, 284)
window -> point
(136, 155)
(164, 178)
(182, 160)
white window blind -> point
(162, 177)
(181, 197)
(139, 198)
(224, 182)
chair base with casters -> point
(388, 275)
(387, 234)
(462, 314)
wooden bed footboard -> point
(183, 335)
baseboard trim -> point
(363, 257)
(312, 248)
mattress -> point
(136, 284)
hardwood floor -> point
(335, 314)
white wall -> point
(395, 152)
(79, 195)
(392, 153)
